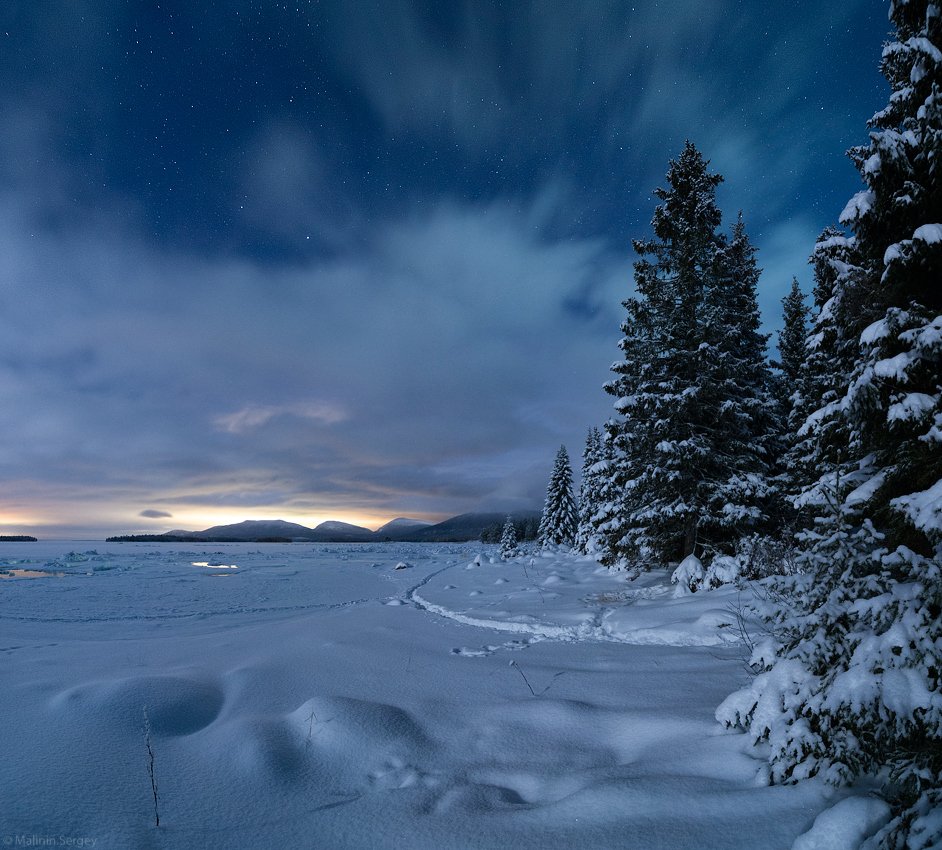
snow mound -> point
(175, 705)
(845, 826)
(931, 233)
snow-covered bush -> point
(689, 575)
(854, 685)
(760, 556)
(723, 569)
(849, 684)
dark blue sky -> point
(363, 259)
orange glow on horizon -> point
(11, 520)
(198, 519)
(72, 514)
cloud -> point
(483, 74)
(154, 514)
(470, 175)
(287, 189)
(135, 372)
(253, 417)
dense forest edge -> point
(819, 476)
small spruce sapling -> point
(508, 540)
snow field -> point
(290, 702)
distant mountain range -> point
(455, 530)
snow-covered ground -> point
(316, 696)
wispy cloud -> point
(253, 417)
(425, 346)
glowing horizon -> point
(74, 512)
(50, 523)
(193, 521)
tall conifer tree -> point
(820, 441)
(792, 363)
(690, 445)
(661, 451)
(746, 431)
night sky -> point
(356, 260)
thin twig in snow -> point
(151, 772)
(515, 665)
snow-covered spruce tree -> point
(816, 430)
(748, 431)
(591, 493)
(658, 444)
(610, 498)
(791, 340)
(560, 516)
(508, 540)
(856, 687)
(689, 452)
(792, 361)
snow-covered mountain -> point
(400, 524)
(252, 529)
(465, 526)
(334, 531)
(402, 529)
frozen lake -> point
(317, 696)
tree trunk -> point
(690, 537)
